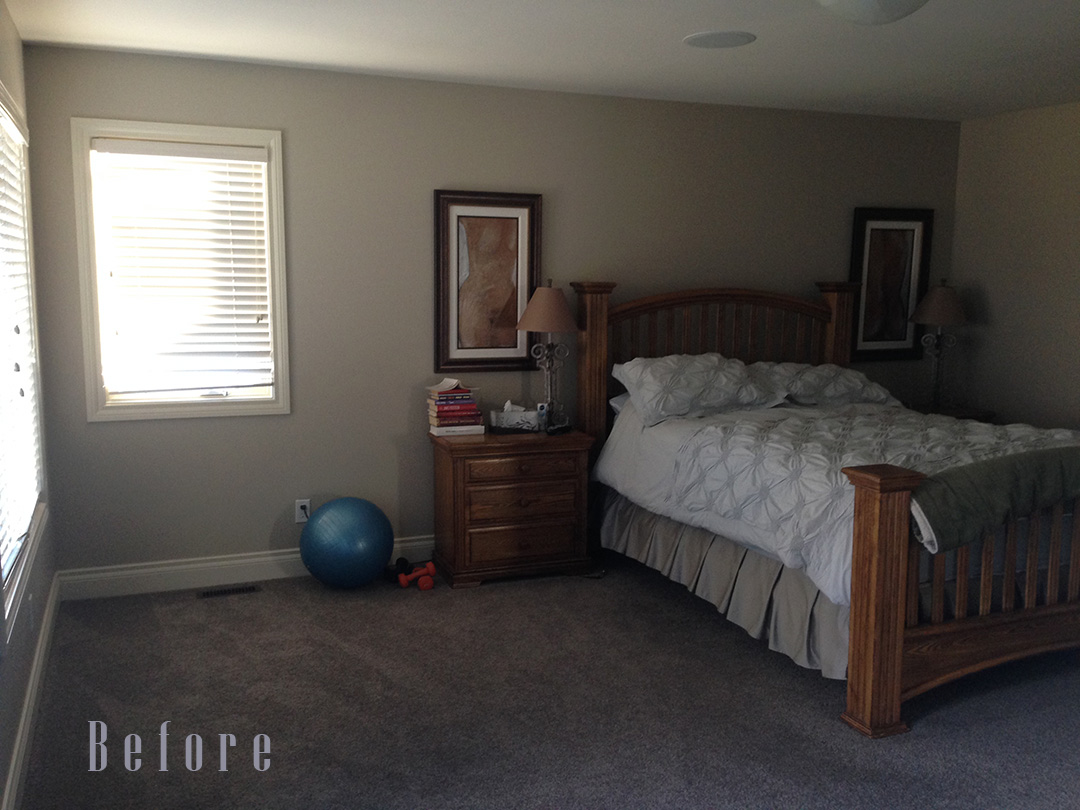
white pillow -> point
(691, 385)
(826, 384)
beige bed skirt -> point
(759, 594)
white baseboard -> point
(205, 572)
(21, 748)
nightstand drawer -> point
(514, 543)
(518, 502)
(513, 468)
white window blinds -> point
(20, 438)
(181, 251)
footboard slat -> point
(960, 605)
(1008, 588)
(1053, 574)
(1031, 565)
(911, 593)
(937, 592)
(1074, 554)
(986, 582)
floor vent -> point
(230, 591)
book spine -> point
(442, 421)
(450, 407)
(460, 430)
(456, 394)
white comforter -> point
(770, 478)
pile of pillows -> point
(697, 384)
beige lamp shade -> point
(940, 307)
(547, 312)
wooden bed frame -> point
(894, 652)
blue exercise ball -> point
(347, 542)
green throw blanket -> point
(963, 503)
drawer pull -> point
(524, 503)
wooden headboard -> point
(749, 325)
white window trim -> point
(85, 129)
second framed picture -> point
(890, 258)
(487, 264)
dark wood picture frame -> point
(890, 258)
(487, 264)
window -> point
(21, 476)
(181, 251)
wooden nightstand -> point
(510, 505)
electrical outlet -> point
(303, 510)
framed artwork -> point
(487, 264)
(890, 258)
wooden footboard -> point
(907, 637)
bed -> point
(905, 619)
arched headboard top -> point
(750, 325)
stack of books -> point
(452, 410)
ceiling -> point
(952, 59)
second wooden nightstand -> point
(509, 505)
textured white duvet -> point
(770, 478)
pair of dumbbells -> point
(423, 574)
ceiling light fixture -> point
(719, 39)
(872, 12)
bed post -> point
(592, 357)
(879, 563)
(840, 296)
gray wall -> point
(1017, 259)
(651, 195)
(16, 660)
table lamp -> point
(940, 307)
(548, 312)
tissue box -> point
(515, 421)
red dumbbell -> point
(424, 573)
